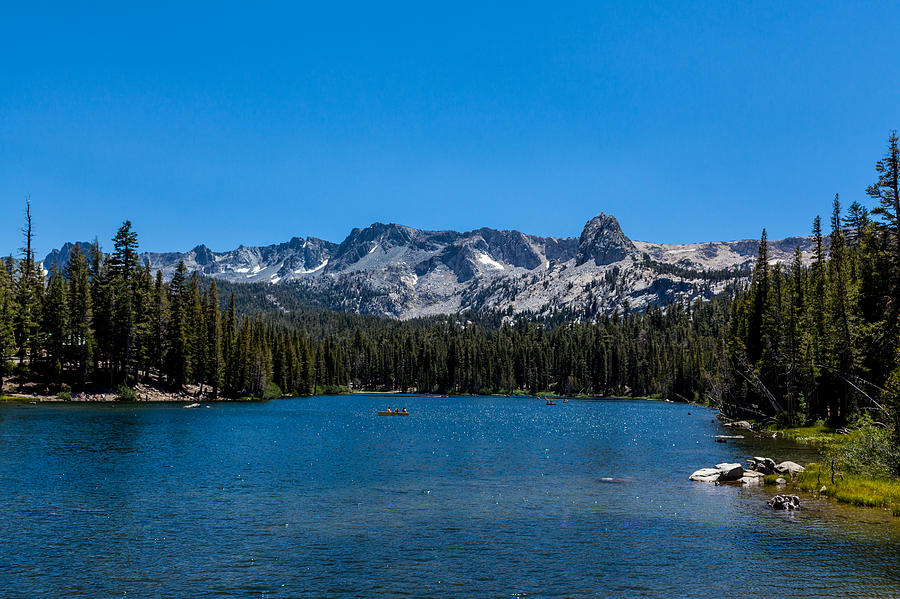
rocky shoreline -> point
(757, 469)
(143, 393)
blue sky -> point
(228, 123)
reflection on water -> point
(466, 497)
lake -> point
(466, 497)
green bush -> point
(868, 449)
(272, 391)
(126, 393)
(64, 395)
(334, 390)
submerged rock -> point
(784, 502)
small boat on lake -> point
(394, 413)
(550, 402)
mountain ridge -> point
(395, 270)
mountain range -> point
(402, 272)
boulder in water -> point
(706, 475)
(764, 465)
(730, 471)
(752, 477)
(784, 502)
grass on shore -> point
(855, 489)
(818, 434)
(862, 460)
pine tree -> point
(815, 336)
(795, 372)
(7, 317)
(857, 221)
(230, 349)
(159, 311)
(759, 291)
(213, 343)
(886, 191)
(196, 330)
(144, 316)
(28, 296)
(102, 299)
(178, 354)
(122, 267)
(839, 343)
(54, 325)
(80, 307)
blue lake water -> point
(466, 497)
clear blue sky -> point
(227, 123)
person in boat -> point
(397, 411)
(404, 411)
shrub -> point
(868, 450)
(64, 395)
(126, 393)
(272, 391)
(334, 390)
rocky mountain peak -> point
(203, 255)
(61, 256)
(603, 242)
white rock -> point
(706, 475)
(791, 468)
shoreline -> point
(29, 399)
(849, 487)
(147, 394)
